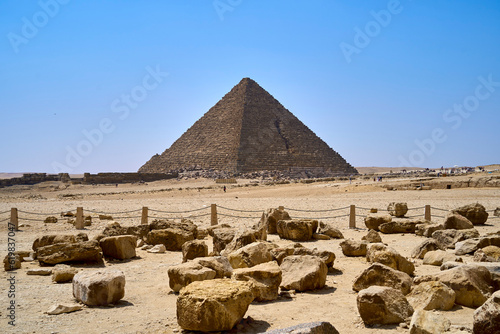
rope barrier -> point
(4, 220)
(4, 212)
(433, 208)
(415, 216)
(438, 216)
(112, 213)
(203, 215)
(221, 207)
(418, 208)
(360, 208)
(232, 216)
(39, 214)
(30, 219)
(205, 208)
(315, 218)
(362, 216)
(328, 210)
(127, 217)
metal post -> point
(144, 218)
(427, 213)
(213, 218)
(352, 217)
(14, 221)
(79, 224)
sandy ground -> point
(149, 304)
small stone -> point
(63, 308)
(39, 272)
(158, 249)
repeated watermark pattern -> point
(454, 117)
(223, 6)
(11, 279)
(31, 26)
(121, 108)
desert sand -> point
(149, 305)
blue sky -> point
(94, 86)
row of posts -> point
(79, 221)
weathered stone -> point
(487, 316)
(99, 287)
(114, 229)
(50, 220)
(426, 230)
(157, 249)
(383, 305)
(63, 274)
(222, 237)
(214, 305)
(172, 238)
(397, 209)
(303, 272)
(496, 213)
(251, 255)
(480, 256)
(12, 262)
(492, 251)
(85, 251)
(265, 279)
(398, 227)
(298, 230)
(212, 228)
(332, 232)
(432, 295)
(425, 246)
(382, 275)
(202, 234)
(63, 308)
(438, 257)
(183, 274)
(319, 236)
(193, 249)
(185, 224)
(373, 221)
(448, 238)
(48, 240)
(386, 255)
(372, 237)
(426, 322)
(220, 264)
(280, 253)
(353, 248)
(241, 239)
(467, 246)
(105, 217)
(121, 247)
(307, 328)
(490, 240)
(457, 222)
(271, 217)
(476, 213)
(39, 272)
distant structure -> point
(248, 130)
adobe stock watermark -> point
(454, 117)
(121, 108)
(363, 36)
(31, 26)
(223, 6)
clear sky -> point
(94, 86)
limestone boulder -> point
(425, 246)
(214, 305)
(297, 230)
(397, 209)
(492, 251)
(183, 274)
(303, 272)
(432, 295)
(372, 237)
(438, 257)
(457, 222)
(48, 240)
(114, 229)
(63, 274)
(487, 316)
(156, 249)
(382, 305)
(390, 257)
(319, 327)
(219, 264)
(222, 237)
(241, 238)
(426, 230)
(50, 220)
(271, 217)
(172, 238)
(193, 249)
(265, 279)
(280, 253)
(12, 262)
(448, 238)
(480, 256)
(373, 221)
(476, 213)
(85, 251)
(99, 287)
(251, 255)
(329, 230)
(382, 275)
(63, 308)
(121, 247)
(398, 227)
(185, 224)
(353, 248)
(426, 322)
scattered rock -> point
(85, 251)
(48, 240)
(222, 237)
(496, 213)
(426, 322)
(63, 274)
(265, 279)
(373, 221)
(303, 272)
(398, 227)
(63, 308)
(332, 232)
(193, 249)
(382, 275)
(457, 222)
(397, 209)
(426, 230)
(307, 328)
(383, 305)
(105, 217)
(492, 251)
(438, 257)
(487, 316)
(390, 257)
(121, 247)
(476, 213)
(157, 249)
(50, 220)
(241, 238)
(271, 217)
(372, 237)
(353, 248)
(424, 247)
(251, 255)
(99, 287)
(39, 272)
(172, 238)
(298, 230)
(280, 253)
(319, 236)
(448, 238)
(12, 262)
(220, 264)
(183, 274)
(432, 295)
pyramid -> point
(248, 130)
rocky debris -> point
(99, 287)
(496, 213)
(383, 305)
(222, 237)
(457, 222)
(448, 238)
(157, 249)
(390, 257)
(373, 221)
(26, 256)
(12, 262)
(303, 272)
(114, 229)
(280, 253)
(471, 245)
(193, 249)
(63, 273)
(438, 257)
(426, 322)
(202, 234)
(251, 255)
(353, 248)
(50, 220)
(121, 247)
(85, 251)
(398, 227)
(87, 221)
(476, 213)
(211, 229)
(397, 209)
(105, 217)
(220, 264)
(297, 230)
(425, 246)
(39, 272)
(480, 256)
(432, 295)
(183, 274)
(307, 328)
(426, 230)
(172, 238)
(319, 236)
(48, 240)
(265, 279)
(492, 251)
(332, 232)
(63, 308)
(382, 275)
(487, 316)
(271, 217)
(372, 237)
(214, 305)
(241, 238)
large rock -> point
(390, 257)
(121, 247)
(265, 279)
(298, 230)
(372, 237)
(383, 305)
(185, 225)
(48, 240)
(12, 262)
(398, 227)
(373, 221)
(426, 230)
(183, 274)
(332, 232)
(271, 217)
(307, 328)
(303, 272)
(432, 295)
(219, 264)
(476, 213)
(280, 253)
(492, 251)
(438, 257)
(222, 237)
(425, 246)
(114, 229)
(457, 222)
(172, 238)
(487, 317)
(471, 245)
(99, 287)
(85, 251)
(397, 209)
(448, 238)
(213, 306)
(425, 322)
(63, 274)
(193, 249)
(353, 248)
(382, 275)
(241, 238)
(251, 255)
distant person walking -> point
(224, 188)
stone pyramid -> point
(248, 130)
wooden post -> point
(144, 218)
(213, 218)
(427, 213)
(14, 221)
(352, 217)
(79, 224)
